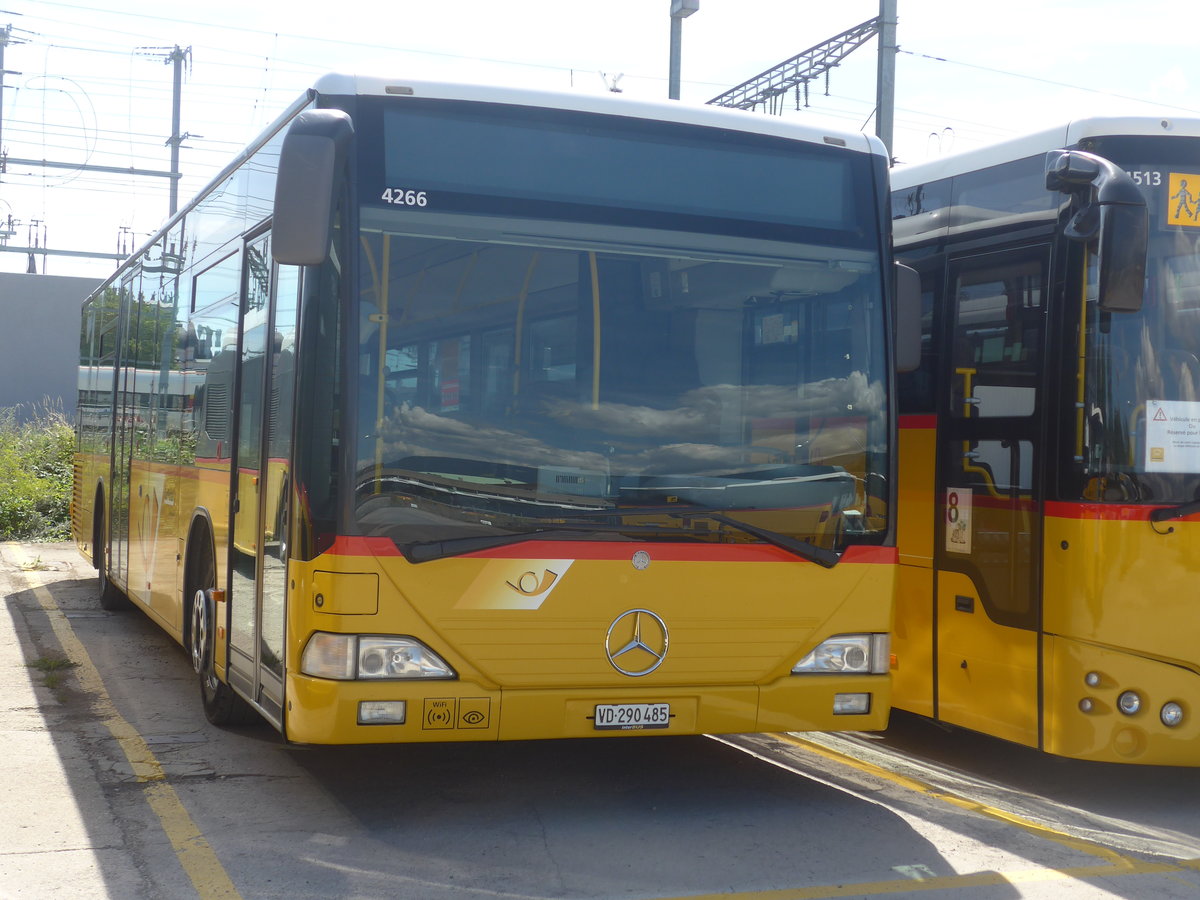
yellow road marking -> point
(195, 854)
(1117, 864)
(912, 784)
(941, 883)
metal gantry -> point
(769, 88)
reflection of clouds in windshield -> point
(427, 434)
(414, 431)
(684, 459)
(691, 432)
(701, 411)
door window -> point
(997, 339)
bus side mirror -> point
(1124, 234)
(311, 163)
(1110, 209)
(908, 319)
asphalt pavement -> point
(57, 835)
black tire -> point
(222, 705)
(281, 524)
(112, 598)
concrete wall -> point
(39, 339)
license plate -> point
(632, 716)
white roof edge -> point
(1066, 135)
(606, 103)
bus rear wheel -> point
(222, 705)
(112, 598)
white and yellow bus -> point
(1050, 441)
(511, 415)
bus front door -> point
(258, 545)
(987, 552)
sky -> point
(90, 83)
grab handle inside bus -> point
(908, 319)
(1108, 208)
(311, 166)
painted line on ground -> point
(195, 854)
(1116, 865)
(921, 787)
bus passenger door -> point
(987, 553)
(125, 430)
(257, 562)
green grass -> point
(36, 453)
(54, 669)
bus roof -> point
(1039, 142)
(606, 103)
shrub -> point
(36, 454)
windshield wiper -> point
(1175, 512)
(803, 549)
(424, 551)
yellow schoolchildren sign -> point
(1183, 204)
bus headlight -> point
(385, 657)
(346, 657)
(848, 654)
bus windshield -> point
(568, 368)
(1141, 431)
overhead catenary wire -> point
(241, 89)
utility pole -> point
(176, 57)
(885, 82)
(5, 34)
(680, 10)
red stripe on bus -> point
(376, 546)
(1107, 512)
(345, 545)
(916, 422)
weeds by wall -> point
(35, 474)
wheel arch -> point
(201, 542)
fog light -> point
(1129, 703)
(1092, 679)
(851, 704)
(1086, 705)
(1171, 714)
(382, 712)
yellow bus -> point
(508, 415)
(1049, 529)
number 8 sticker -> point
(958, 520)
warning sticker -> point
(1183, 205)
(1172, 436)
